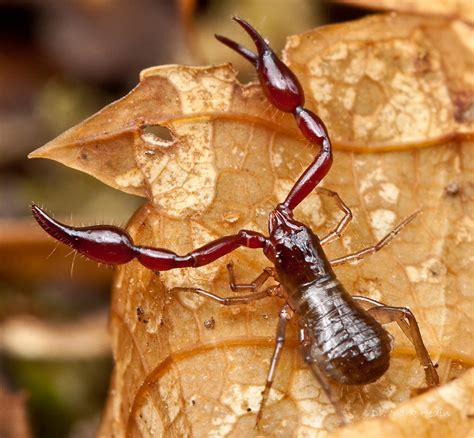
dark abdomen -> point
(346, 343)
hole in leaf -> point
(158, 131)
(157, 136)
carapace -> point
(341, 336)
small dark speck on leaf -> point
(140, 314)
(452, 189)
(210, 323)
(463, 107)
(422, 63)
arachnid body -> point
(341, 336)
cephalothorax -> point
(341, 336)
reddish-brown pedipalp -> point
(340, 339)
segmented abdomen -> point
(346, 342)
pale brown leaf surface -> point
(188, 366)
(461, 9)
(452, 406)
(392, 80)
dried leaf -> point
(389, 82)
(185, 365)
(445, 412)
(461, 9)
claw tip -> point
(34, 208)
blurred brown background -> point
(61, 61)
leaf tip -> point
(37, 153)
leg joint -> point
(406, 312)
(280, 340)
